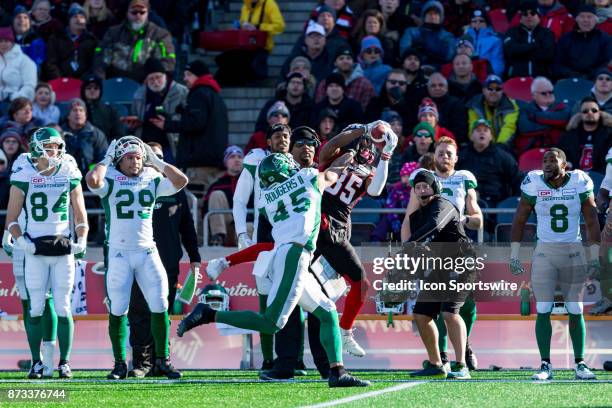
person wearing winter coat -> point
(553, 15)
(27, 38)
(18, 75)
(371, 60)
(487, 44)
(435, 44)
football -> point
(378, 133)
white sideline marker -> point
(365, 395)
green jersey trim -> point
(565, 181)
(469, 184)
(530, 199)
(251, 169)
(585, 196)
(74, 183)
(156, 181)
(22, 185)
(315, 231)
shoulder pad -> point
(255, 156)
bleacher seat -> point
(597, 179)
(66, 88)
(519, 88)
(362, 225)
(499, 20)
(63, 108)
(121, 109)
(119, 90)
(531, 159)
(572, 89)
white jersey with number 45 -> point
(294, 209)
(47, 198)
(128, 205)
(557, 209)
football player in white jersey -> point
(604, 305)
(459, 187)
(128, 191)
(277, 138)
(44, 184)
(291, 199)
(559, 197)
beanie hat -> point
(197, 68)
(6, 33)
(586, 8)
(343, 50)
(91, 79)
(370, 41)
(230, 151)
(75, 9)
(466, 40)
(428, 177)
(482, 14)
(153, 65)
(324, 8)
(76, 102)
(335, 78)
(423, 127)
(389, 116)
(408, 168)
(279, 127)
(19, 9)
(278, 107)
(433, 5)
(327, 113)
(428, 106)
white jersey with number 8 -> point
(47, 198)
(128, 205)
(557, 209)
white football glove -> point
(79, 248)
(152, 159)
(7, 243)
(516, 267)
(372, 125)
(109, 156)
(215, 267)
(26, 245)
(244, 241)
(390, 143)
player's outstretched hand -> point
(7, 243)
(390, 143)
(152, 159)
(372, 125)
(244, 241)
(26, 245)
(516, 267)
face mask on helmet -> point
(365, 152)
(45, 137)
(277, 168)
(129, 144)
(215, 296)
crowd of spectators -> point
(429, 68)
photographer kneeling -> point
(438, 225)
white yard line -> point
(370, 394)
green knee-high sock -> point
(28, 328)
(442, 337)
(577, 332)
(605, 279)
(65, 333)
(468, 314)
(543, 329)
(245, 319)
(302, 327)
(267, 340)
(35, 337)
(49, 321)
(117, 331)
(160, 328)
(330, 334)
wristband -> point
(11, 225)
(515, 249)
(81, 225)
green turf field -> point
(489, 389)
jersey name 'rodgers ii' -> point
(128, 204)
(47, 198)
(557, 209)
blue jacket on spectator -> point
(377, 73)
(581, 54)
(34, 47)
(490, 47)
(435, 43)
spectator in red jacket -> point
(220, 196)
(553, 15)
(542, 122)
(603, 9)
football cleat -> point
(346, 380)
(163, 366)
(470, 358)
(215, 267)
(544, 373)
(201, 314)
(446, 365)
(275, 375)
(119, 371)
(139, 372)
(36, 372)
(64, 371)
(583, 372)
(300, 369)
(461, 373)
(431, 371)
(350, 345)
(603, 306)
(267, 365)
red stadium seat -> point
(531, 159)
(519, 88)
(66, 88)
(499, 20)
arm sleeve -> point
(102, 191)
(243, 191)
(585, 186)
(166, 188)
(187, 231)
(380, 178)
(439, 217)
(607, 181)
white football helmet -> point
(129, 144)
